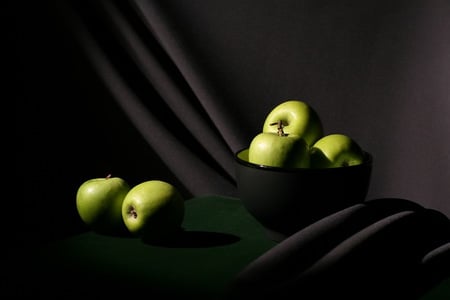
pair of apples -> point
(293, 137)
(152, 210)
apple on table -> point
(99, 204)
(153, 210)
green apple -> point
(336, 150)
(99, 204)
(298, 118)
(279, 150)
(153, 210)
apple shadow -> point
(194, 239)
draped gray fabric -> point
(171, 89)
(170, 119)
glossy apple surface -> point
(270, 149)
(336, 150)
(153, 209)
(298, 118)
(99, 203)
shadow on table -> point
(195, 239)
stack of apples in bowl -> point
(292, 174)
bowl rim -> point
(368, 160)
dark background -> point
(90, 101)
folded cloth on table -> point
(385, 248)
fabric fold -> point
(181, 156)
(375, 250)
(163, 75)
(156, 16)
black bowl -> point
(285, 200)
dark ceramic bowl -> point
(284, 201)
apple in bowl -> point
(279, 149)
(336, 150)
(289, 130)
(297, 118)
(292, 175)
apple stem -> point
(280, 126)
(108, 176)
(133, 213)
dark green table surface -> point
(220, 239)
